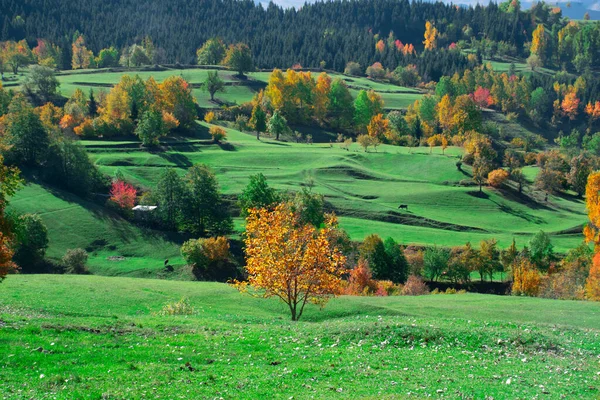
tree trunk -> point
(257, 135)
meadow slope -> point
(97, 337)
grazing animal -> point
(405, 206)
(166, 262)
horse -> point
(403, 206)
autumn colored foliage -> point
(592, 284)
(526, 279)
(497, 177)
(431, 34)
(218, 134)
(123, 195)
(591, 231)
(295, 262)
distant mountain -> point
(571, 9)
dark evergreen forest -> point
(335, 32)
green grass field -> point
(237, 92)
(364, 189)
(96, 337)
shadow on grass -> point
(523, 199)
(227, 146)
(277, 143)
(479, 194)
(124, 229)
(180, 160)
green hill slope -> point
(94, 337)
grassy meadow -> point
(364, 189)
(99, 337)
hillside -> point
(100, 337)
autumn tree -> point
(82, 57)
(239, 58)
(123, 195)
(15, 54)
(592, 283)
(366, 141)
(570, 105)
(379, 127)
(292, 261)
(177, 99)
(9, 182)
(217, 133)
(212, 52)
(375, 71)
(431, 35)
(207, 257)
(526, 279)
(539, 42)
(591, 231)
(497, 177)
(321, 100)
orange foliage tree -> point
(592, 284)
(570, 105)
(593, 110)
(9, 181)
(295, 262)
(591, 231)
(497, 177)
(379, 127)
(82, 57)
(592, 234)
(526, 279)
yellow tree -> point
(592, 202)
(295, 262)
(592, 283)
(321, 100)
(431, 34)
(444, 143)
(81, 55)
(445, 113)
(275, 90)
(379, 127)
(539, 42)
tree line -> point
(330, 32)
